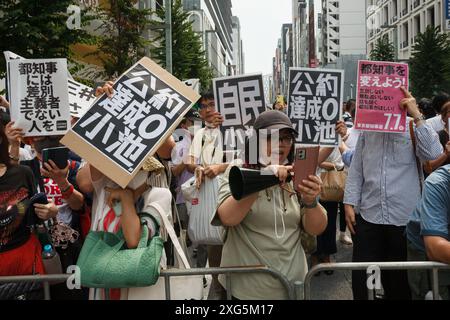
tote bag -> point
(181, 287)
(105, 262)
(333, 187)
(204, 207)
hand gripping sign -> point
(117, 134)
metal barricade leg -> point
(167, 286)
(228, 288)
(299, 289)
(435, 284)
(47, 291)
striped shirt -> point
(383, 180)
(348, 120)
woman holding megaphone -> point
(264, 227)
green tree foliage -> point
(429, 65)
(120, 44)
(384, 50)
(188, 57)
(37, 29)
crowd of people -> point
(391, 214)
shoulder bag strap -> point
(419, 167)
(171, 233)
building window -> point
(159, 4)
(430, 17)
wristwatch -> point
(312, 205)
(419, 118)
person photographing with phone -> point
(55, 175)
(263, 228)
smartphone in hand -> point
(40, 198)
(305, 164)
(59, 155)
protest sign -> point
(240, 100)
(81, 98)
(194, 84)
(117, 134)
(315, 104)
(8, 57)
(39, 99)
(379, 95)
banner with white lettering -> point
(39, 99)
(379, 95)
(240, 100)
(117, 134)
(315, 104)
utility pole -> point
(168, 10)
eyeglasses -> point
(283, 140)
(286, 140)
(210, 104)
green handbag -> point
(106, 262)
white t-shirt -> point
(211, 150)
(436, 123)
(54, 193)
(353, 136)
(335, 158)
(25, 155)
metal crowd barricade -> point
(407, 265)
(290, 288)
(167, 274)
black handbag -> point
(29, 290)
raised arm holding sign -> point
(119, 132)
(379, 96)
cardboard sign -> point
(379, 95)
(240, 100)
(315, 104)
(39, 99)
(81, 98)
(117, 134)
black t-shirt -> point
(17, 185)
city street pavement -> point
(337, 286)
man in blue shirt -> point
(429, 235)
(384, 184)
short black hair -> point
(426, 107)
(208, 95)
(439, 100)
